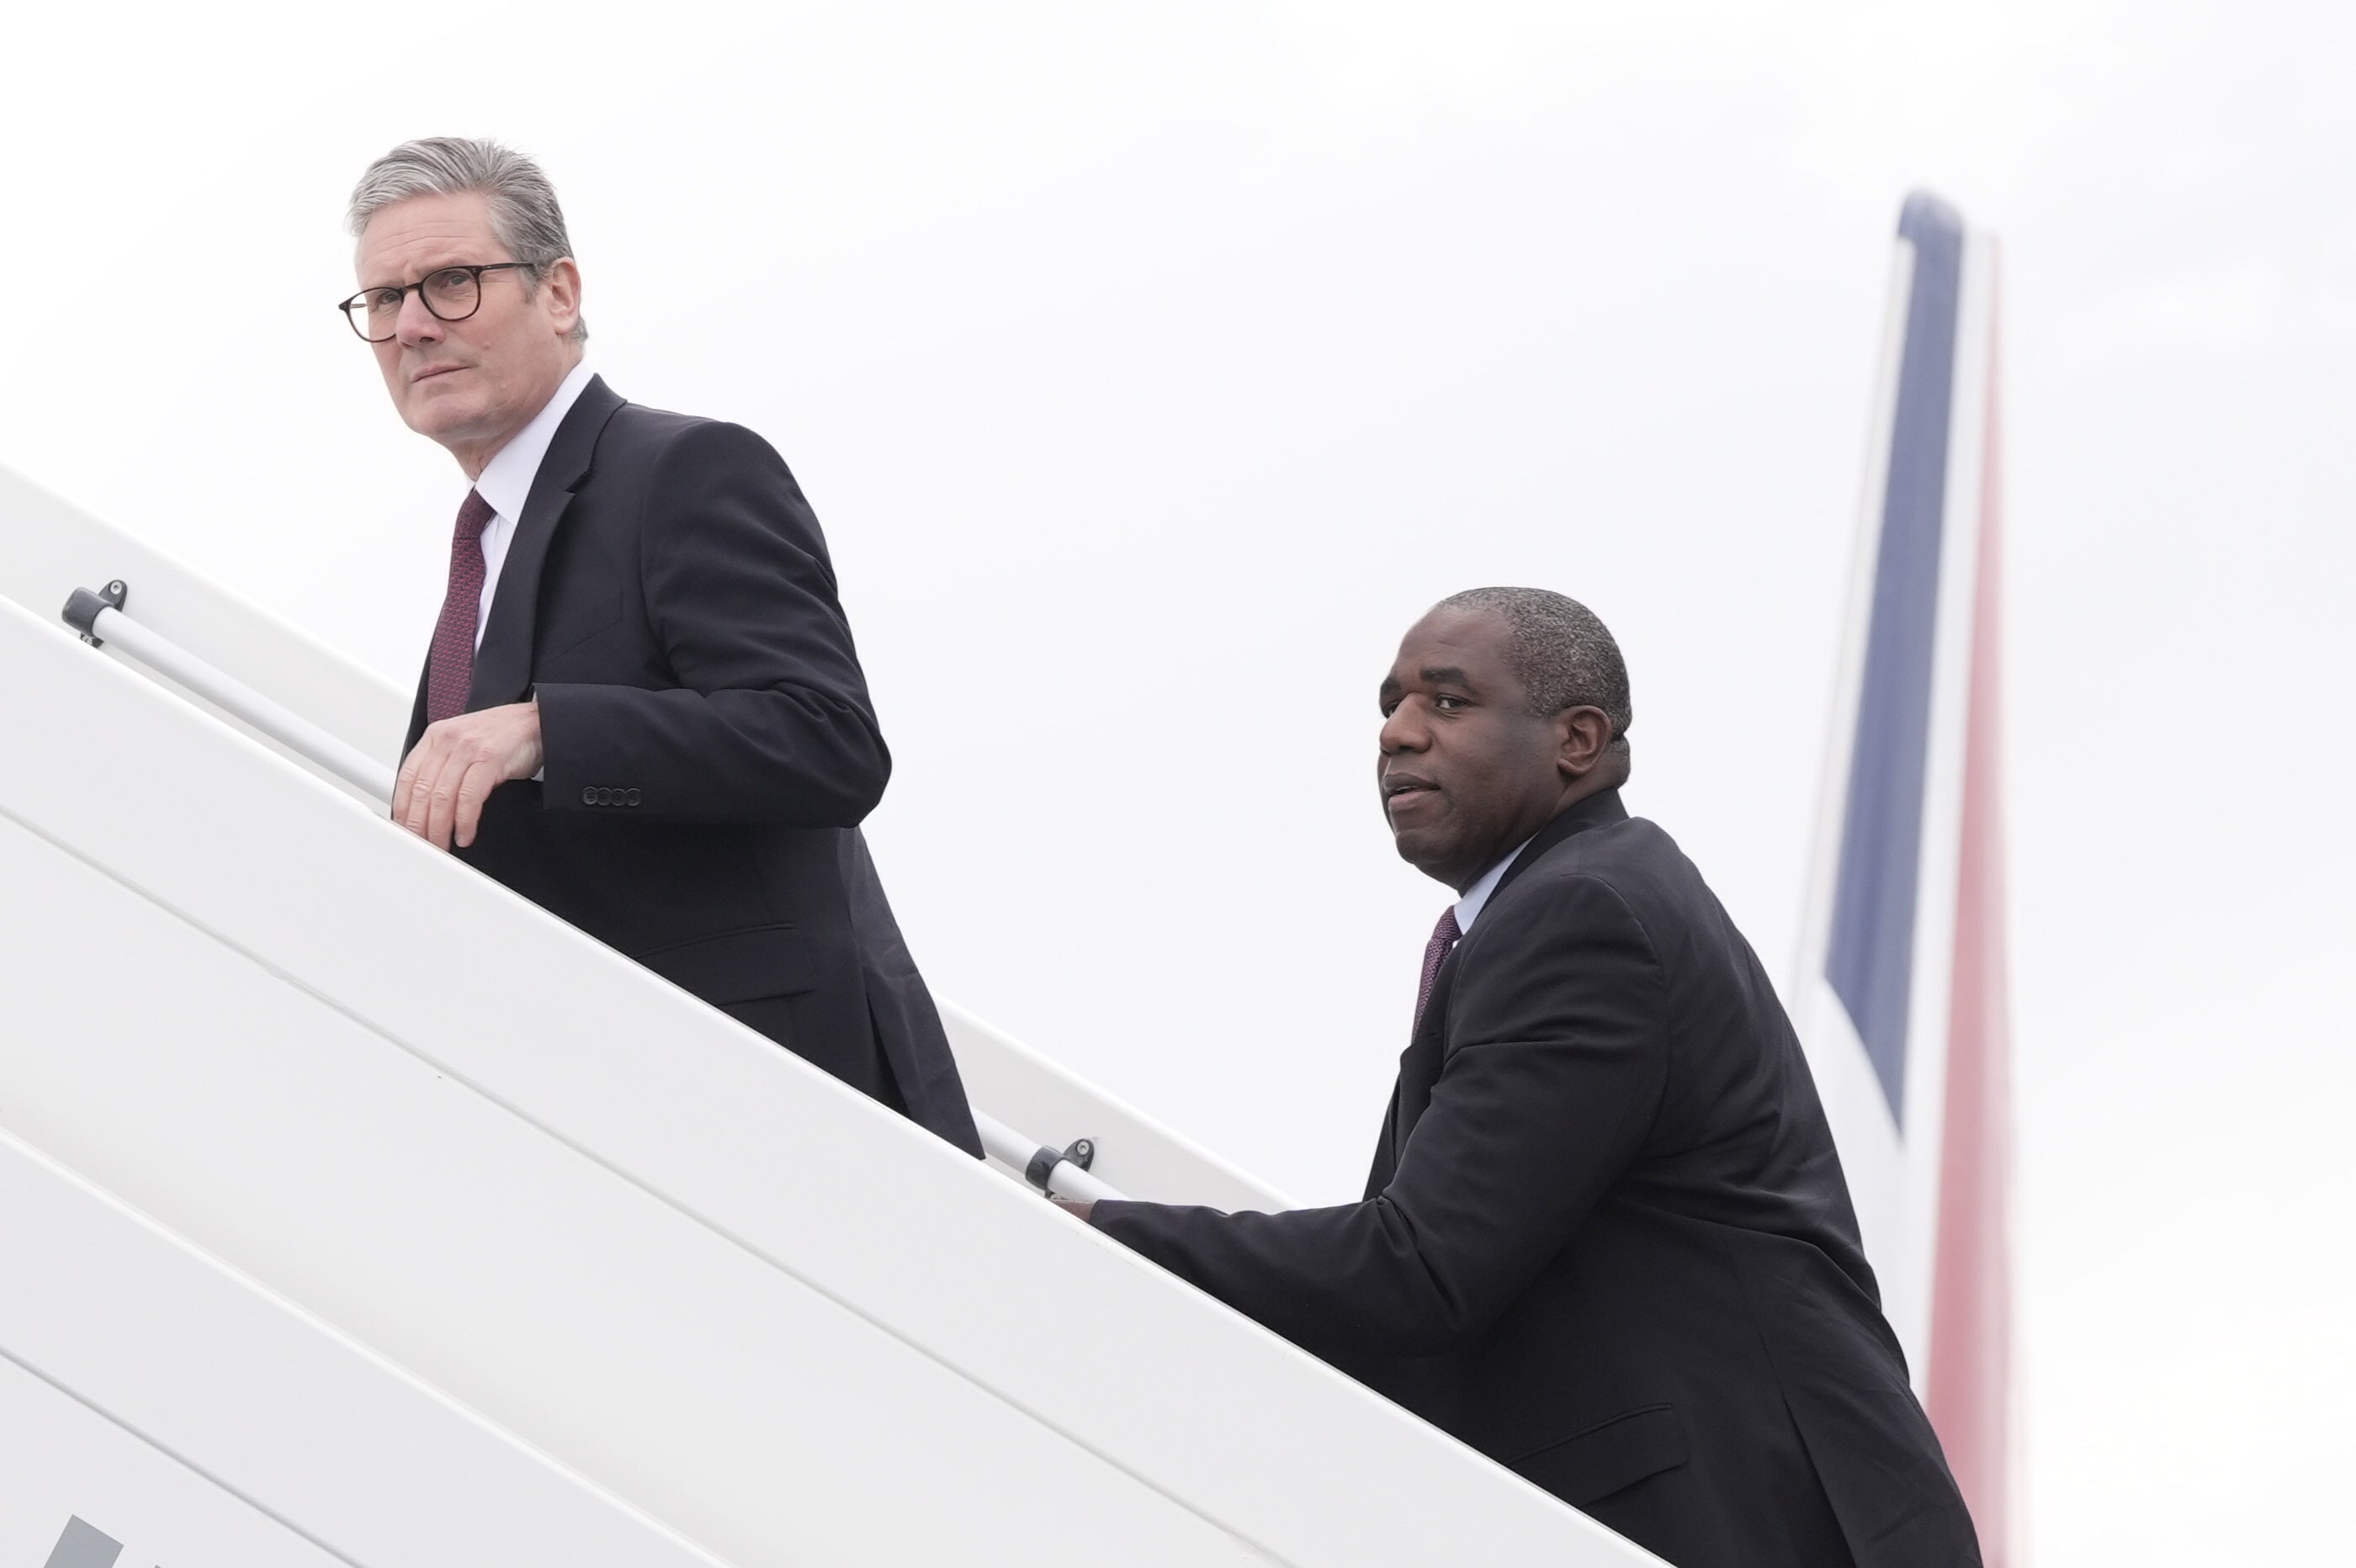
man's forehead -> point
(429, 228)
(1468, 640)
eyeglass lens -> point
(453, 293)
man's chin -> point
(1416, 847)
(442, 418)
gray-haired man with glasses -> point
(641, 708)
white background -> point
(1152, 367)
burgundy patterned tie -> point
(449, 668)
(1435, 952)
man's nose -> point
(416, 324)
(1404, 730)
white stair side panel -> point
(137, 1359)
(64, 1461)
(466, 1245)
(1053, 1320)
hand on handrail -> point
(456, 765)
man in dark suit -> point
(642, 709)
(1606, 1240)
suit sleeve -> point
(770, 720)
(1555, 1067)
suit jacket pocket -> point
(737, 965)
(1618, 1453)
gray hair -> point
(1561, 651)
(525, 217)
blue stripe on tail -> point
(1870, 961)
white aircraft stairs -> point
(354, 1211)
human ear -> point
(1581, 737)
(562, 285)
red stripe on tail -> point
(1969, 1385)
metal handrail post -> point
(1043, 1166)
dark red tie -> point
(1435, 953)
(449, 668)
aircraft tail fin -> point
(1901, 983)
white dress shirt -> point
(1467, 908)
(506, 483)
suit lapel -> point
(1427, 1052)
(503, 663)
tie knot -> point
(473, 515)
(1446, 932)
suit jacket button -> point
(630, 798)
(589, 795)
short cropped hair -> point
(525, 217)
(1561, 652)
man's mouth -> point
(430, 372)
(1404, 792)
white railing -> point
(100, 617)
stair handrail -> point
(100, 617)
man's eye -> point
(1447, 704)
(450, 280)
(383, 298)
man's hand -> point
(455, 766)
(1075, 1209)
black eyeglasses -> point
(452, 293)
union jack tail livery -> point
(1901, 992)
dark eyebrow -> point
(1430, 674)
(437, 267)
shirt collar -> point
(506, 480)
(1467, 908)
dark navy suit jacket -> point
(1606, 1240)
(668, 598)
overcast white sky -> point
(1152, 367)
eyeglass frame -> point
(475, 268)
